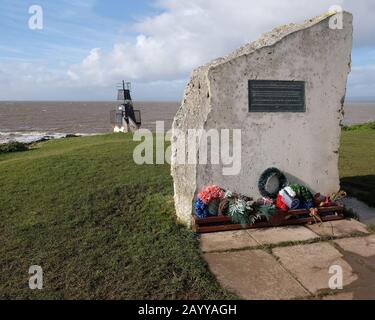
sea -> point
(32, 121)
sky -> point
(85, 47)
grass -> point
(357, 162)
(365, 126)
(100, 226)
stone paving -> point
(310, 264)
(366, 213)
(294, 262)
(339, 228)
(239, 272)
(227, 241)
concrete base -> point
(294, 271)
(254, 275)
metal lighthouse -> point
(125, 118)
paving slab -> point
(310, 264)
(339, 228)
(364, 247)
(282, 235)
(254, 275)
(360, 254)
(224, 241)
(340, 296)
(359, 292)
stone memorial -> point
(285, 92)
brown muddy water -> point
(30, 121)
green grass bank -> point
(357, 162)
(100, 226)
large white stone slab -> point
(303, 145)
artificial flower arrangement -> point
(208, 201)
(213, 201)
(297, 196)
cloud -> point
(362, 81)
(364, 27)
(191, 32)
(26, 80)
(188, 33)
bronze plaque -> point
(276, 96)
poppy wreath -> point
(266, 177)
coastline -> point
(29, 137)
(29, 122)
